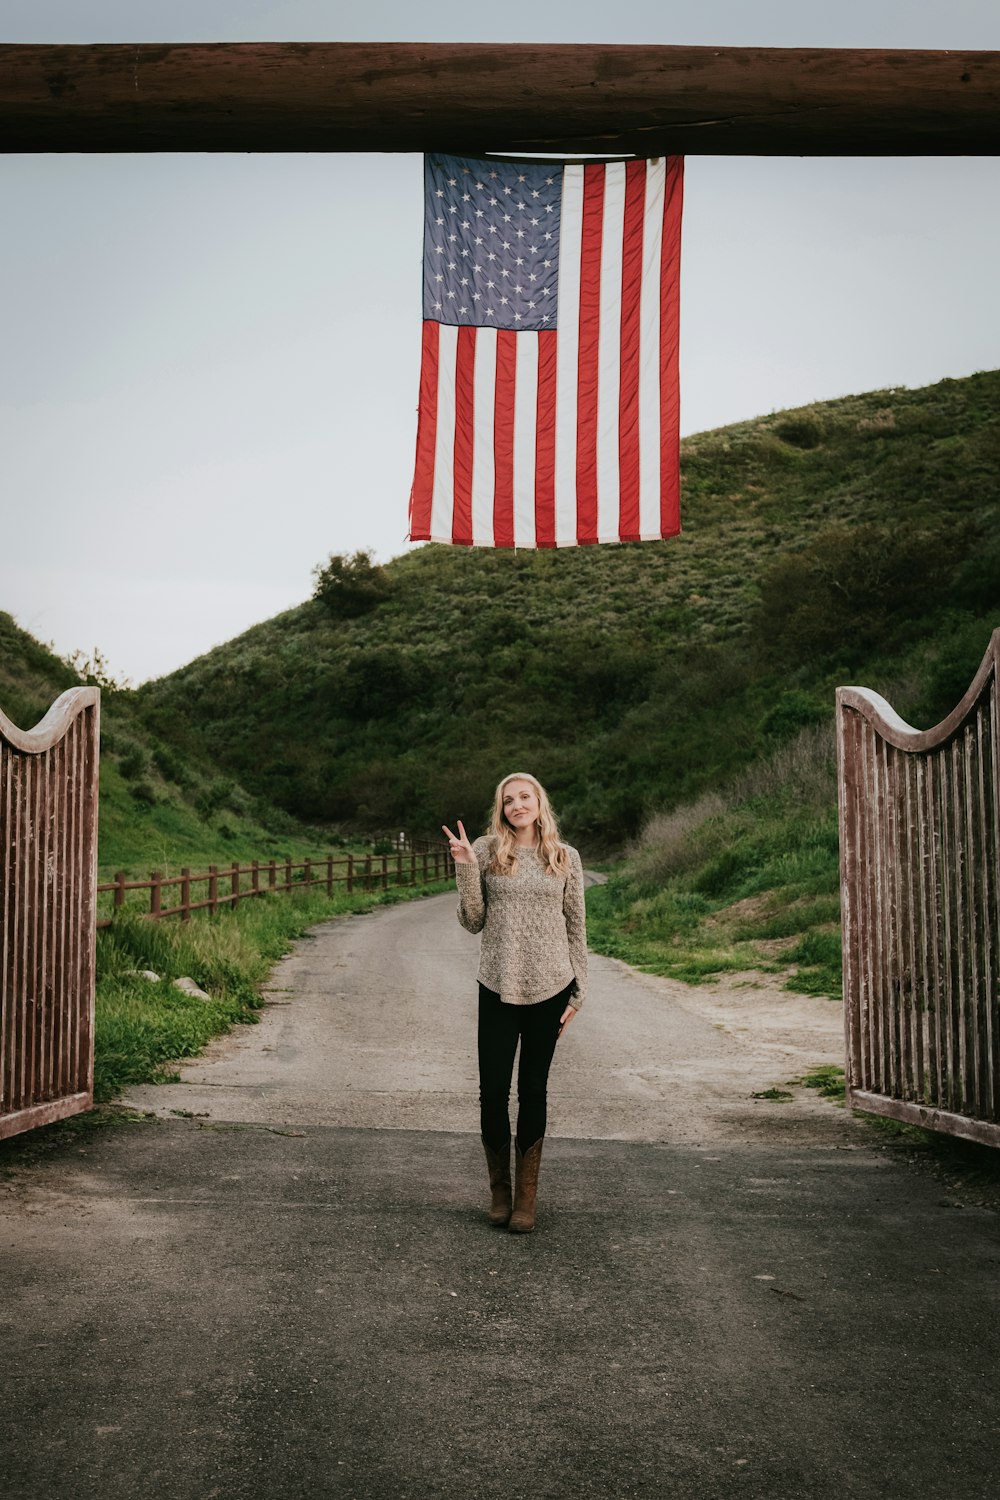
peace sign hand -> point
(461, 849)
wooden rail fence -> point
(48, 848)
(920, 879)
(228, 885)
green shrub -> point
(350, 586)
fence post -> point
(399, 867)
(234, 883)
(413, 867)
(272, 874)
(308, 873)
(255, 876)
(185, 894)
(350, 874)
(155, 894)
(213, 889)
(425, 867)
(385, 872)
(368, 872)
(288, 873)
(119, 889)
(329, 874)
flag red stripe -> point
(628, 393)
(545, 441)
(503, 439)
(423, 473)
(465, 413)
(588, 354)
(670, 396)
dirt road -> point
(371, 1024)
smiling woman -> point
(522, 888)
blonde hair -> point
(551, 851)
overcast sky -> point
(208, 364)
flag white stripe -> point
(567, 353)
(525, 424)
(609, 354)
(649, 352)
(443, 497)
(483, 471)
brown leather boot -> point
(498, 1163)
(522, 1220)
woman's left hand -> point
(565, 1019)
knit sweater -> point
(533, 925)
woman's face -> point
(520, 805)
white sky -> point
(208, 364)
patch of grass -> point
(820, 969)
(828, 1080)
(775, 1095)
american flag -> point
(549, 401)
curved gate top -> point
(48, 857)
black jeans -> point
(500, 1028)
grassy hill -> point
(159, 808)
(852, 540)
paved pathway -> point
(293, 1291)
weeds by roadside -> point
(742, 879)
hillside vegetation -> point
(159, 808)
(856, 539)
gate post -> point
(48, 912)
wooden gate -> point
(919, 853)
(48, 851)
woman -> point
(523, 890)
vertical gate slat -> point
(973, 869)
(995, 866)
(6, 942)
(958, 862)
(848, 748)
(866, 1078)
(984, 952)
(908, 947)
(21, 979)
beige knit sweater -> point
(533, 926)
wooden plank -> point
(949, 1122)
(974, 935)
(932, 825)
(994, 696)
(34, 1116)
(472, 97)
(849, 725)
(987, 863)
(866, 914)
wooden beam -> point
(473, 98)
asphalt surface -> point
(750, 1303)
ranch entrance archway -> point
(557, 100)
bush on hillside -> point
(347, 587)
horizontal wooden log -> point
(44, 1114)
(469, 99)
(984, 1131)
